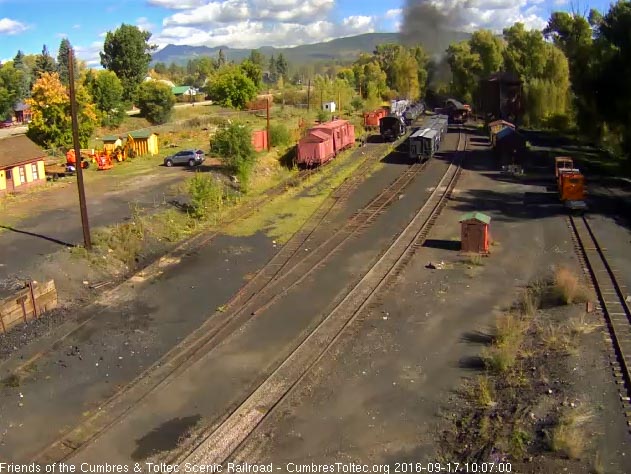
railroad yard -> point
(212, 353)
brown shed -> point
(474, 232)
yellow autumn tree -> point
(51, 124)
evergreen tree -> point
(44, 63)
(221, 58)
(62, 62)
(282, 66)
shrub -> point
(234, 144)
(155, 101)
(279, 135)
(206, 195)
(357, 103)
(322, 116)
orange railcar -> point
(571, 185)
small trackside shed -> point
(259, 140)
(21, 164)
(144, 143)
(111, 142)
(315, 149)
(474, 232)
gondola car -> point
(391, 127)
(424, 144)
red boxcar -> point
(371, 119)
(259, 140)
(315, 149)
(342, 131)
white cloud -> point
(11, 27)
(393, 13)
(252, 34)
(176, 4)
(254, 23)
(76, 27)
(144, 24)
(90, 54)
(232, 11)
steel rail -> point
(197, 343)
(215, 444)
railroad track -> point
(611, 301)
(217, 443)
(267, 286)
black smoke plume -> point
(432, 26)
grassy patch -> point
(568, 437)
(567, 287)
(283, 216)
(510, 330)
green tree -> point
(405, 73)
(62, 62)
(386, 55)
(44, 63)
(230, 87)
(612, 91)
(51, 124)
(127, 53)
(282, 67)
(257, 58)
(160, 68)
(525, 53)
(273, 68)
(106, 90)
(489, 49)
(253, 71)
(221, 58)
(463, 63)
(155, 101)
(233, 143)
(11, 86)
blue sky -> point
(28, 24)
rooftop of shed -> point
(478, 216)
(18, 150)
(141, 135)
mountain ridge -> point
(347, 48)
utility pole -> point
(87, 241)
(268, 137)
(309, 96)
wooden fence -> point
(27, 304)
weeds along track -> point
(217, 443)
(611, 303)
(284, 271)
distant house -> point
(21, 164)
(186, 91)
(22, 112)
(143, 143)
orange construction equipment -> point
(71, 160)
(104, 161)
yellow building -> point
(143, 143)
(21, 164)
(111, 142)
